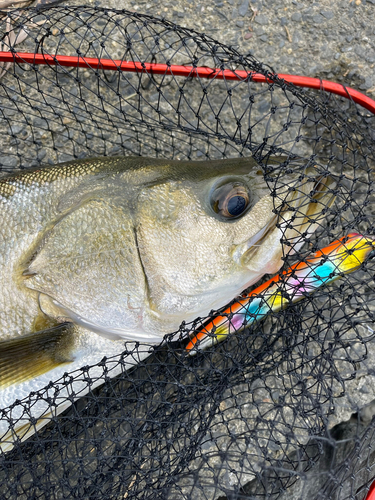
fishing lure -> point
(341, 257)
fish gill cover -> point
(284, 408)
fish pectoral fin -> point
(27, 357)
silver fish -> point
(99, 251)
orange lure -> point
(343, 256)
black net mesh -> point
(282, 410)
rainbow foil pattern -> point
(341, 257)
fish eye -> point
(230, 200)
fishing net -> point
(283, 409)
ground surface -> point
(327, 39)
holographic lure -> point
(341, 257)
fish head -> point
(140, 245)
(209, 230)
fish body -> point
(343, 256)
(101, 251)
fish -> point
(100, 252)
(342, 256)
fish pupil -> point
(230, 200)
(236, 205)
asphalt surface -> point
(328, 39)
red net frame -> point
(188, 72)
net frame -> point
(187, 72)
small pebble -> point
(307, 17)
(297, 16)
(370, 57)
(259, 30)
(243, 8)
(240, 24)
(328, 14)
(8, 161)
(248, 36)
(65, 157)
(261, 19)
(8, 112)
(40, 122)
(318, 19)
(15, 129)
(360, 50)
(41, 154)
(369, 82)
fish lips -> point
(242, 253)
(297, 217)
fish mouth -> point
(300, 212)
(249, 247)
(306, 209)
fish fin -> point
(27, 357)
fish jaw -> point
(299, 214)
(193, 261)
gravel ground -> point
(283, 35)
(327, 39)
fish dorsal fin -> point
(89, 264)
(24, 358)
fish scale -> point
(97, 252)
(27, 204)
